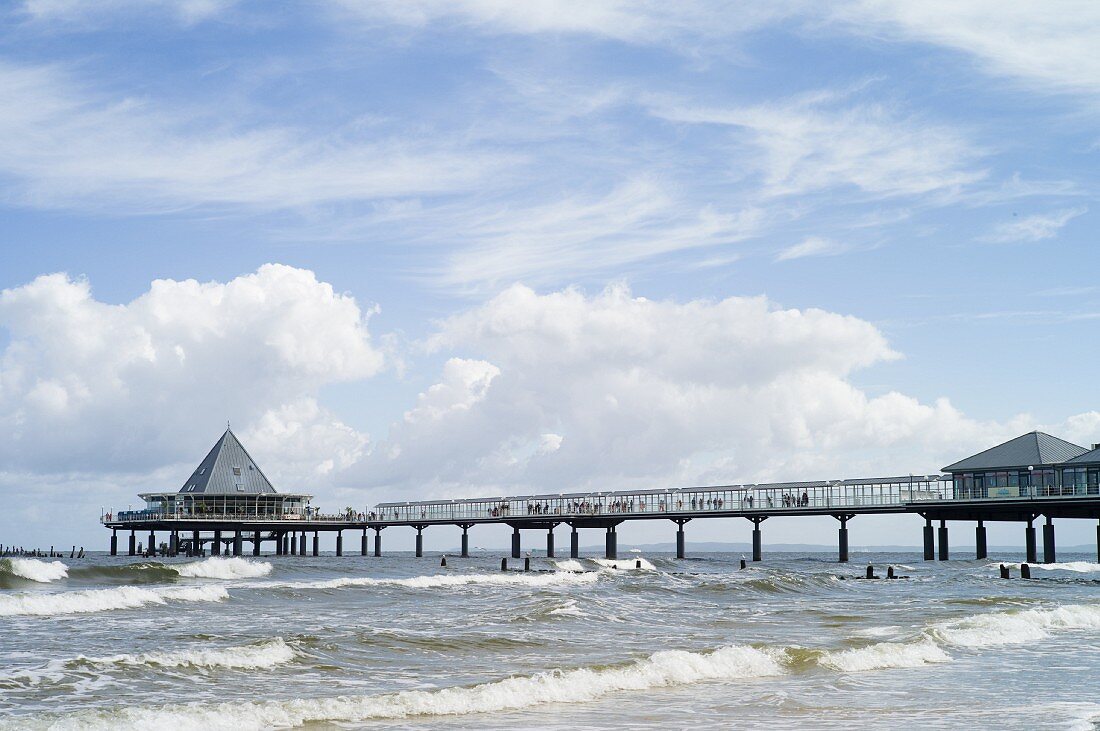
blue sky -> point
(530, 245)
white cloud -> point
(576, 236)
(64, 145)
(91, 387)
(642, 21)
(809, 144)
(1035, 227)
(615, 390)
(812, 246)
(77, 12)
(1049, 46)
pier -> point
(229, 507)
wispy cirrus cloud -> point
(64, 145)
(813, 246)
(1036, 227)
(822, 141)
(1048, 46)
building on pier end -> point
(227, 484)
(1031, 465)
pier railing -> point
(771, 498)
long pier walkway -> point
(930, 496)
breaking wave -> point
(436, 581)
(217, 567)
(1008, 628)
(631, 563)
(1080, 567)
(569, 564)
(101, 600)
(31, 568)
(662, 669)
(883, 655)
(248, 657)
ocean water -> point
(399, 642)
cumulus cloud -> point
(574, 391)
(1035, 227)
(94, 387)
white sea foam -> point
(263, 655)
(1007, 628)
(217, 567)
(101, 600)
(31, 568)
(568, 609)
(443, 581)
(662, 669)
(622, 564)
(1080, 567)
(569, 564)
(884, 655)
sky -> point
(453, 248)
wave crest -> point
(1009, 628)
(442, 581)
(217, 567)
(100, 600)
(883, 655)
(248, 657)
(31, 568)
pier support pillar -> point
(550, 543)
(611, 543)
(516, 547)
(114, 542)
(419, 541)
(363, 544)
(152, 544)
(378, 542)
(681, 539)
(302, 543)
(280, 544)
(842, 552)
(757, 542)
(1098, 542)
(293, 541)
(575, 542)
(196, 544)
(316, 543)
(465, 541)
(133, 543)
(256, 543)
(173, 543)
(1048, 541)
(980, 548)
(339, 543)
(945, 553)
(929, 541)
(1029, 543)
(216, 545)
(238, 543)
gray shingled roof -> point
(227, 470)
(1032, 449)
(1090, 456)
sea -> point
(642, 642)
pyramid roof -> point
(1031, 449)
(227, 469)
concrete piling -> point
(1032, 555)
(238, 543)
(681, 539)
(363, 544)
(378, 542)
(516, 547)
(842, 540)
(979, 541)
(465, 540)
(316, 543)
(133, 542)
(550, 543)
(114, 542)
(419, 542)
(575, 543)
(929, 541)
(1049, 554)
(216, 545)
(302, 543)
(611, 543)
(339, 543)
(945, 553)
